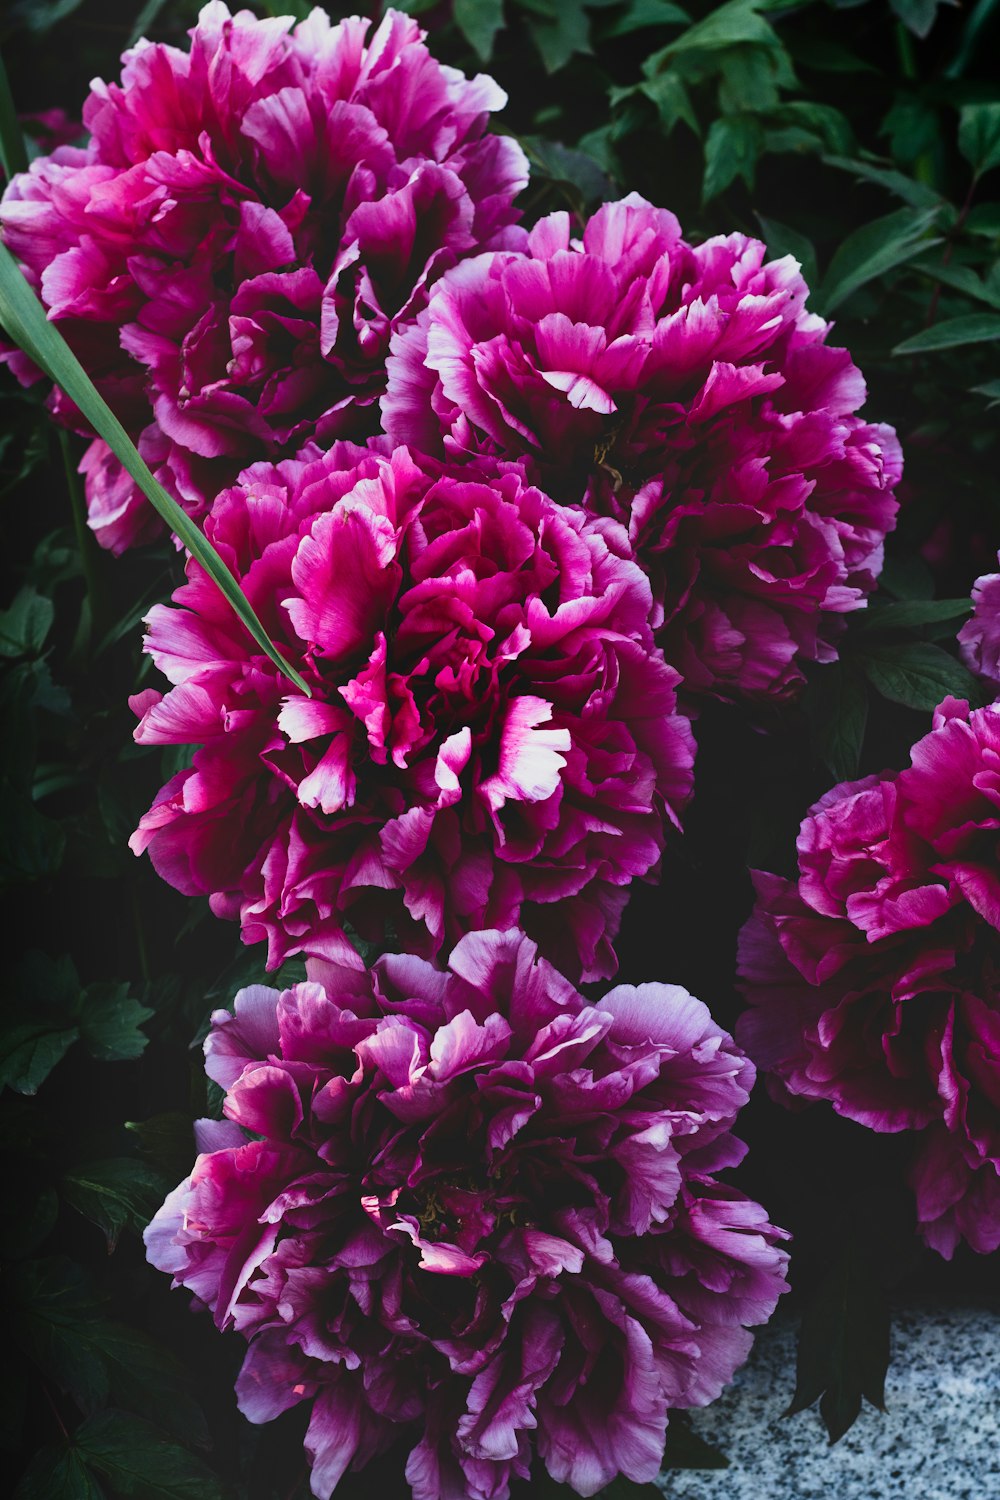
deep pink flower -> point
(979, 637)
(685, 391)
(246, 227)
(492, 735)
(874, 980)
(471, 1210)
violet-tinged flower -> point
(492, 738)
(249, 222)
(979, 637)
(685, 391)
(874, 980)
(470, 1210)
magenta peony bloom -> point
(492, 739)
(248, 224)
(979, 637)
(874, 980)
(470, 1210)
(686, 392)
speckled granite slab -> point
(938, 1440)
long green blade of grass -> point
(23, 317)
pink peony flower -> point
(470, 1210)
(492, 738)
(874, 980)
(248, 224)
(685, 391)
(979, 637)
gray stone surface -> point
(938, 1440)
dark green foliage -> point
(864, 140)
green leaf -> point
(961, 278)
(115, 1194)
(559, 28)
(917, 674)
(836, 706)
(843, 1346)
(29, 1219)
(30, 1050)
(907, 577)
(670, 95)
(25, 626)
(872, 251)
(639, 14)
(917, 194)
(918, 15)
(909, 614)
(979, 136)
(685, 1449)
(991, 389)
(58, 1474)
(973, 328)
(148, 1379)
(23, 316)
(167, 1141)
(54, 1313)
(110, 1021)
(731, 151)
(781, 240)
(140, 1461)
(725, 26)
(559, 163)
(478, 21)
(984, 220)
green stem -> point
(13, 155)
(85, 544)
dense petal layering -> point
(686, 392)
(874, 979)
(979, 637)
(471, 1210)
(248, 224)
(492, 737)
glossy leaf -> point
(917, 674)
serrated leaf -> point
(109, 1022)
(725, 26)
(973, 328)
(25, 626)
(979, 136)
(917, 674)
(146, 1378)
(478, 21)
(141, 1461)
(843, 1346)
(23, 317)
(872, 251)
(30, 1050)
(53, 1312)
(670, 95)
(560, 33)
(58, 1474)
(910, 614)
(115, 1194)
(731, 151)
(836, 706)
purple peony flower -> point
(874, 980)
(470, 1210)
(248, 224)
(492, 735)
(686, 392)
(980, 637)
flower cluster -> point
(469, 1209)
(491, 736)
(685, 391)
(247, 225)
(874, 979)
(979, 637)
